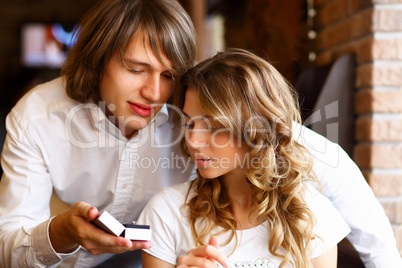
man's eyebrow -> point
(136, 62)
(141, 63)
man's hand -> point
(72, 227)
(206, 256)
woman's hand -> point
(72, 227)
(206, 256)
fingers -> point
(67, 228)
(205, 256)
(92, 214)
(141, 244)
(72, 227)
(112, 244)
(214, 242)
(85, 210)
(96, 241)
(186, 261)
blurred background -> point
(343, 57)
(35, 35)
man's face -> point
(134, 95)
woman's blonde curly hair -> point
(247, 95)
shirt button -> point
(124, 186)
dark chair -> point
(333, 112)
(348, 256)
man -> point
(100, 137)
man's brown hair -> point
(108, 28)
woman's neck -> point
(239, 191)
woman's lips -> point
(141, 110)
(202, 161)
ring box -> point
(109, 224)
(137, 232)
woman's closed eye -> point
(188, 125)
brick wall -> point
(372, 29)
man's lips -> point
(141, 109)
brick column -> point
(373, 31)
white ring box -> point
(109, 224)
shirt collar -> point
(162, 116)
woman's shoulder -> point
(165, 207)
(312, 195)
(319, 204)
(174, 195)
(330, 228)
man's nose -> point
(151, 90)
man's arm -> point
(25, 191)
(27, 236)
(344, 184)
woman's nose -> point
(197, 138)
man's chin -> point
(134, 124)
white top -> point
(172, 238)
(54, 142)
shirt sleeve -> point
(344, 185)
(25, 191)
(160, 215)
(330, 227)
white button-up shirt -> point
(56, 143)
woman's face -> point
(214, 149)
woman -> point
(253, 192)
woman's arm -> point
(149, 261)
(327, 260)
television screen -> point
(45, 45)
